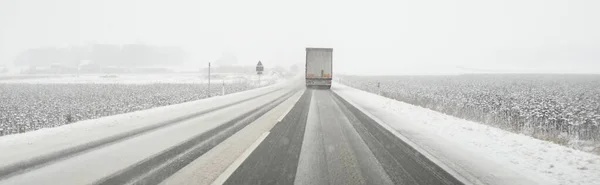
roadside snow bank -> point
(481, 153)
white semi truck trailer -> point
(319, 67)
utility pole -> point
(259, 71)
(209, 79)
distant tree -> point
(39, 57)
(227, 59)
(294, 69)
(139, 55)
(136, 55)
(72, 56)
(279, 69)
(103, 55)
(171, 55)
(106, 55)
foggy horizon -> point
(231, 92)
(374, 38)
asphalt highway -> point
(324, 140)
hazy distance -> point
(368, 37)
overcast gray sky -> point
(368, 37)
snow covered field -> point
(478, 151)
(564, 109)
(177, 78)
(35, 102)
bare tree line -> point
(101, 55)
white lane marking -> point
(238, 162)
(289, 109)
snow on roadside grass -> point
(491, 155)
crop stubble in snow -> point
(27, 107)
(561, 108)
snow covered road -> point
(213, 165)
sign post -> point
(209, 79)
(259, 71)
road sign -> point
(208, 93)
(259, 68)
